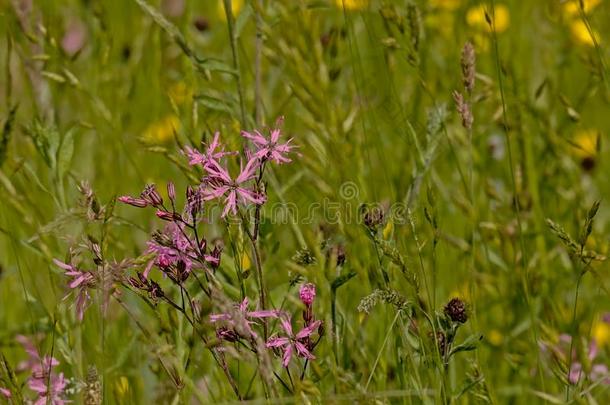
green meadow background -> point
(109, 92)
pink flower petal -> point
(303, 352)
(287, 356)
(277, 342)
(308, 330)
(286, 325)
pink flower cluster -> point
(48, 385)
(178, 249)
(591, 368)
(244, 188)
(596, 371)
(287, 342)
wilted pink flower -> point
(211, 154)
(307, 293)
(291, 342)
(219, 183)
(81, 280)
(270, 149)
(48, 385)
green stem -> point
(233, 40)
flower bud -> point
(307, 293)
(152, 196)
(165, 215)
(136, 202)
(226, 334)
(171, 191)
(456, 310)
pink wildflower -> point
(241, 311)
(307, 293)
(291, 342)
(81, 280)
(219, 183)
(210, 156)
(596, 372)
(47, 384)
(175, 254)
(270, 149)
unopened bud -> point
(171, 191)
(135, 202)
(165, 215)
(152, 196)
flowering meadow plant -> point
(304, 201)
(183, 257)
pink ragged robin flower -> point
(82, 281)
(293, 342)
(210, 155)
(46, 383)
(270, 148)
(219, 183)
(241, 311)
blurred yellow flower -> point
(495, 337)
(180, 93)
(236, 6)
(352, 4)
(475, 17)
(581, 34)
(571, 7)
(584, 144)
(446, 4)
(601, 332)
(161, 131)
